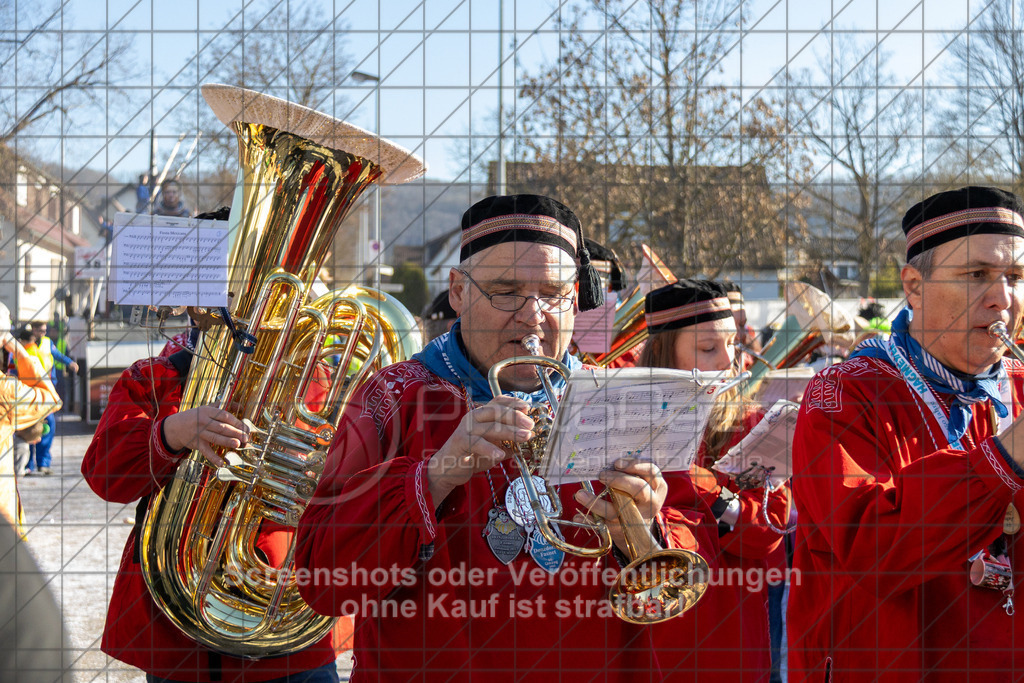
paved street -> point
(77, 539)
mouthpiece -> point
(531, 343)
(998, 330)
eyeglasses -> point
(513, 302)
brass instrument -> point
(999, 331)
(658, 584)
(630, 324)
(812, 321)
(300, 173)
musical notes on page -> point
(649, 414)
(169, 261)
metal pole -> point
(362, 77)
(501, 94)
(377, 202)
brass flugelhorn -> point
(658, 584)
(999, 331)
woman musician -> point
(691, 326)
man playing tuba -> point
(138, 444)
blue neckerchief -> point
(445, 358)
(966, 391)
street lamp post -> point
(362, 77)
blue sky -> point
(438, 62)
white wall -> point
(37, 304)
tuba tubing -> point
(300, 173)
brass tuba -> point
(300, 173)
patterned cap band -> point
(953, 214)
(940, 224)
(736, 299)
(690, 314)
(527, 227)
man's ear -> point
(912, 280)
(456, 291)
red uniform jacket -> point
(889, 514)
(729, 633)
(127, 460)
(430, 599)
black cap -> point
(440, 308)
(531, 218)
(947, 216)
(735, 294)
(684, 303)
(602, 254)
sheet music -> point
(769, 444)
(169, 261)
(645, 413)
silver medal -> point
(518, 503)
(504, 537)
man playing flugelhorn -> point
(908, 469)
(415, 527)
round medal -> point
(518, 503)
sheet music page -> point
(650, 414)
(769, 444)
(169, 261)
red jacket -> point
(730, 627)
(376, 544)
(889, 514)
(127, 460)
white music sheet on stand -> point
(650, 414)
(769, 445)
(169, 261)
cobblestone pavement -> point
(77, 540)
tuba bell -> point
(299, 175)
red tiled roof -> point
(49, 231)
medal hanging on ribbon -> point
(520, 508)
(504, 536)
(547, 556)
(1011, 520)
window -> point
(76, 220)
